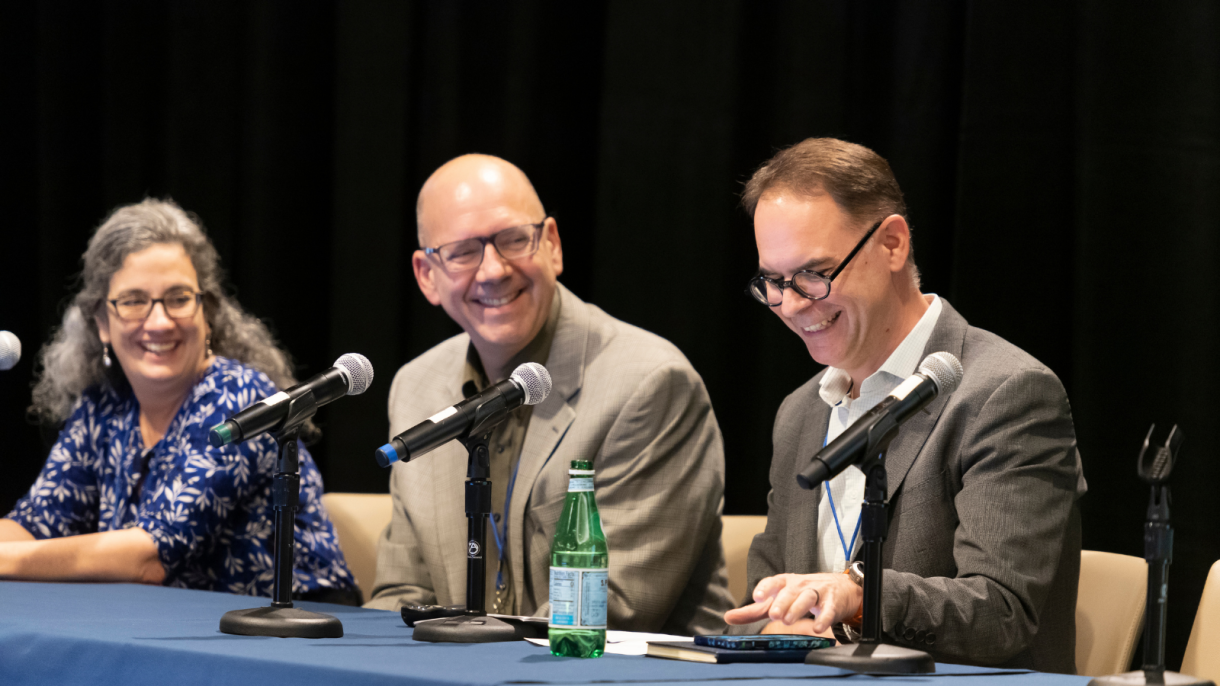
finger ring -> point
(819, 595)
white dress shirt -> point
(847, 488)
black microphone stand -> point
(1154, 469)
(472, 624)
(281, 618)
(869, 654)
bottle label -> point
(580, 480)
(578, 598)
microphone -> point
(529, 384)
(10, 350)
(938, 374)
(351, 375)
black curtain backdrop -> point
(1060, 160)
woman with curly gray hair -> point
(150, 355)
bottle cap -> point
(582, 464)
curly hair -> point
(72, 361)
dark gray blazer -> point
(983, 556)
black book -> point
(682, 650)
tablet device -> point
(764, 642)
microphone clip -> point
(1154, 468)
(300, 409)
(487, 416)
(478, 465)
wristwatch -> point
(855, 572)
(850, 628)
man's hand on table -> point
(788, 600)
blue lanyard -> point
(834, 513)
(501, 537)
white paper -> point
(624, 642)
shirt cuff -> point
(172, 548)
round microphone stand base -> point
(468, 629)
(1139, 677)
(284, 622)
(873, 658)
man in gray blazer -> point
(983, 555)
(622, 397)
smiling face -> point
(870, 308)
(162, 357)
(502, 304)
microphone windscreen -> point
(944, 369)
(10, 350)
(359, 372)
(535, 380)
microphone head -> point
(10, 350)
(535, 380)
(944, 370)
(357, 371)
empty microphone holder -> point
(1154, 469)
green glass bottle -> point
(579, 571)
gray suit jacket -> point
(983, 556)
(626, 399)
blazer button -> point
(930, 639)
(909, 634)
(920, 635)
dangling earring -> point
(207, 343)
(106, 355)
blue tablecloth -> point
(128, 635)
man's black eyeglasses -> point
(806, 282)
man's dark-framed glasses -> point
(511, 243)
(808, 283)
(179, 303)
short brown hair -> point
(858, 179)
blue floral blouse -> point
(208, 509)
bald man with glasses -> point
(622, 397)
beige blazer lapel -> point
(550, 420)
(434, 481)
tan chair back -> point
(1109, 611)
(361, 517)
(359, 520)
(1201, 661)
(737, 534)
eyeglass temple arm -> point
(843, 264)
